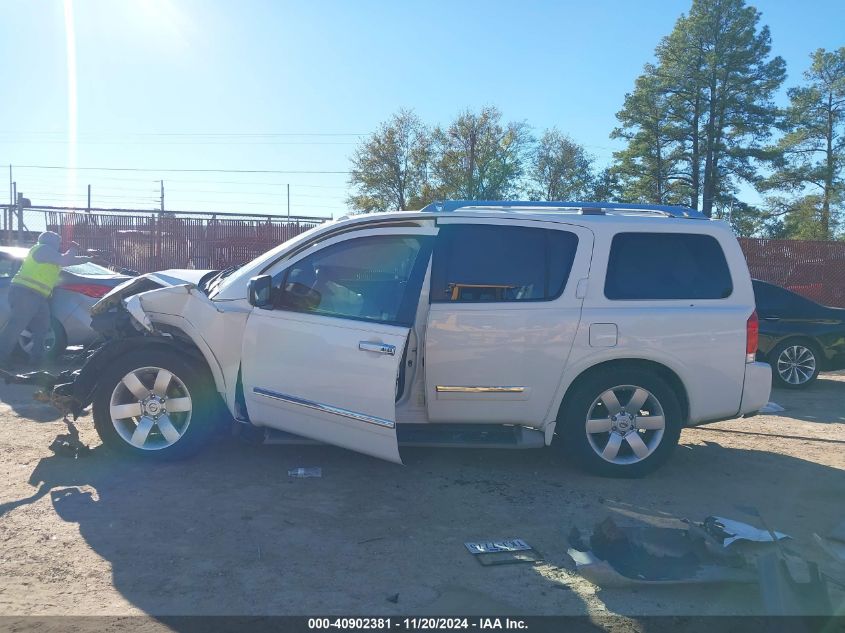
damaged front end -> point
(123, 325)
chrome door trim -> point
(325, 408)
(458, 389)
(378, 348)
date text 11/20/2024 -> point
(430, 624)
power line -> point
(190, 134)
(129, 142)
(154, 171)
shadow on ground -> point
(230, 533)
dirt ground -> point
(229, 533)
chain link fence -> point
(146, 240)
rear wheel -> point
(621, 422)
(795, 364)
(155, 404)
(55, 341)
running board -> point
(441, 436)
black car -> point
(798, 337)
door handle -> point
(378, 348)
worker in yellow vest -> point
(30, 290)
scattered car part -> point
(504, 552)
(631, 556)
(305, 473)
(729, 531)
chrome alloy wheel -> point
(796, 364)
(150, 408)
(629, 433)
(25, 341)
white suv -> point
(605, 328)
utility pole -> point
(7, 216)
(162, 196)
(288, 202)
(12, 211)
(20, 217)
(88, 210)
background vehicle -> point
(80, 287)
(605, 327)
(798, 337)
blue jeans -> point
(29, 310)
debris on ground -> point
(69, 444)
(771, 407)
(393, 598)
(503, 552)
(305, 473)
(624, 557)
(790, 585)
(616, 556)
(728, 531)
(833, 543)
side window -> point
(376, 278)
(481, 263)
(8, 267)
(666, 266)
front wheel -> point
(155, 404)
(621, 422)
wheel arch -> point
(660, 369)
(800, 338)
(86, 383)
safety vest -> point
(37, 276)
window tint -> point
(375, 278)
(774, 300)
(487, 263)
(9, 266)
(666, 266)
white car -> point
(604, 328)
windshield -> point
(89, 270)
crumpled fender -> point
(85, 384)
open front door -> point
(324, 361)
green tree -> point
(478, 157)
(650, 167)
(560, 169)
(711, 90)
(390, 170)
(606, 187)
(811, 154)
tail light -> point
(94, 291)
(752, 337)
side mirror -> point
(259, 292)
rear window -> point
(89, 269)
(666, 266)
(477, 263)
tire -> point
(795, 364)
(631, 445)
(55, 342)
(187, 430)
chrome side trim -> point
(455, 389)
(325, 408)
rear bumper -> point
(757, 387)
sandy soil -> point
(229, 533)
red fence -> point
(149, 242)
(813, 269)
(146, 242)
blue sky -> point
(272, 85)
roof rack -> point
(584, 208)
